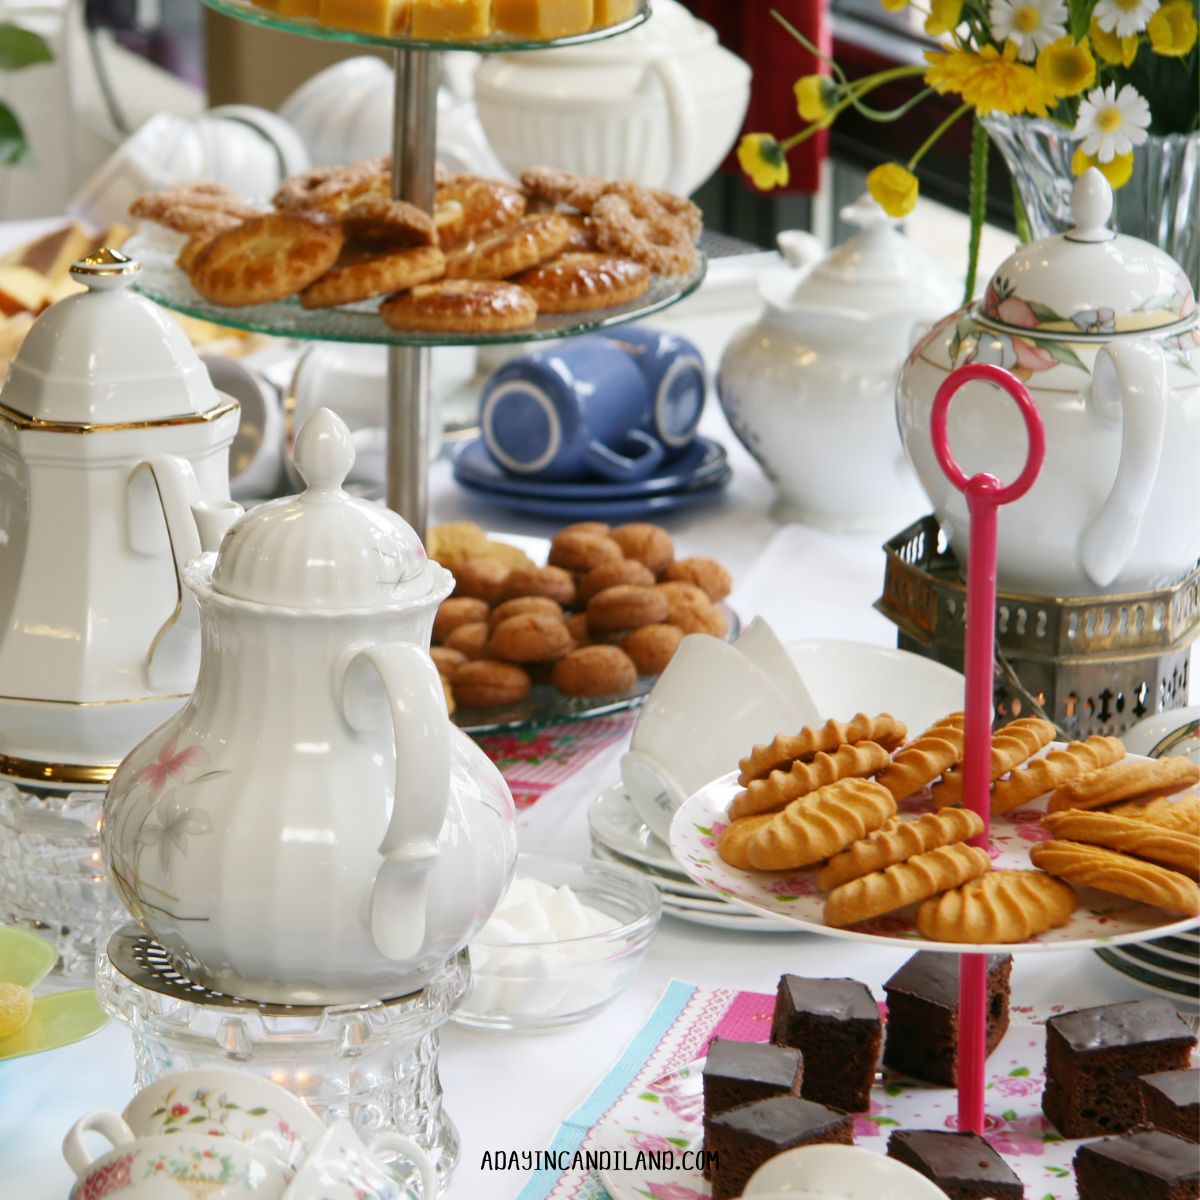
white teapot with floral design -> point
(1102, 329)
(311, 828)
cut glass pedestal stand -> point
(374, 1062)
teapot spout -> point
(213, 519)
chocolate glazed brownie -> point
(963, 1165)
(1144, 1165)
(1171, 1102)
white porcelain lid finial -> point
(1091, 206)
(105, 270)
(324, 451)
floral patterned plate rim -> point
(665, 1120)
(1100, 919)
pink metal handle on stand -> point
(985, 494)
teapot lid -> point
(1088, 280)
(324, 549)
(107, 357)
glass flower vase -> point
(1158, 204)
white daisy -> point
(1111, 122)
(1124, 17)
(1028, 24)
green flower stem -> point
(979, 157)
(864, 86)
(1020, 216)
(931, 140)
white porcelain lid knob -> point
(106, 270)
(324, 451)
(1091, 206)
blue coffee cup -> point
(576, 409)
(674, 372)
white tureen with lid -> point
(311, 828)
(810, 387)
(1102, 329)
(95, 648)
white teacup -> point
(223, 1103)
(762, 646)
(256, 456)
(709, 704)
(170, 1167)
(832, 1172)
(340, 1167)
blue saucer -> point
(611, 508)
(700, 463)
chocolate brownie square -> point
(1171, 1102)
(742, 1139)
(1144, 1165)
(835, 1024)
(922, 1021)
(1095, 1055)
(963, 1165)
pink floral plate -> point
(652, 1136)
(1101, 919)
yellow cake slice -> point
(451, 20)
(543, 18)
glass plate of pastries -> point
(857, 829)
(334, 257)
(539, 632)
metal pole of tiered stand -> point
(414, 151)
(985, 494)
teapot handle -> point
(684, 122)
(1129, 383)
(421, 728)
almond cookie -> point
(690, 609)
(922, 761)
(190, 251)
(541, 581)
(1058, 767)
(626, 606)
(1001, 906)
(364, 272)
(706, 573)
(455, 543)
(648, 544)
(193, 207)
(486, 684)
(905, 883)
(652, 647)
(819, 825)
(480, 207)
(542, 605)
(595, 671)
(460, 306)
(387, 221)
(1111, 871)
(1016, 743)
(470, 639)
(609, 574)
(265, 258)
(1182, 813)
(583, 236)
(635, 225)
(524, 244)
(529, 637)
(1168, 847)
(576, 550)
(855, 760)
(580, 282)
(1125, 781)
(458, 610)
(733, 842)
(482, 578)
(897, 841)
(786, 748)
(446, 660)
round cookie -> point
(690, 609)
(609, 574)
(652, 646)
(576, 550)
(525, 604)
(595, 671)
(577, 627)
(586, 527)
(541, 581)
(626, 606)
(481, 578)
(447, 660)
(487, 684)
(460, 306)
(706, 573)
(529, 637)
(458, 610)
(648, 544)
(470, 639)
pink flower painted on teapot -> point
(169, 765)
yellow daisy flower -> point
(1172, 29)
(1066, 68)
(763, 159)
(1116, 51)
(988, 80)
(894, 188)
(944, 15)
(813, 96)
(1117, 170)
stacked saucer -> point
(1169, 966)
(619, 835)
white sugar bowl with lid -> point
(1102, 329)
(95, 647)
(810, 387)
(311, 828)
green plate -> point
(57, 1020)
(25, 958)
